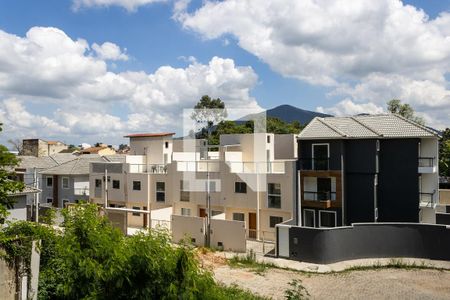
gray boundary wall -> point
(369, 240)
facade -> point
(101, 150)
(370, 168)
(38, 147)
(246, 181)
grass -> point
(250, 262)
(394, 263)
(235, 292)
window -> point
(240, 187)
(116, 184)
(320, 154)
(136, 185)
(166, 144)
(65, 182)
(184, 194)
(65, 201)
(98, 183)
(238, 217)
(324, 189)
(274, 195)
(309, 218)
(268, 139)
(49, 181)
(327, 218)
(136, 213)
(274, 220)
(160, 191)
(185, 211)
(212, 186)
(215, 212)
(49, 200)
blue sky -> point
(305, 67)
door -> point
(202, 213)
(252, 225)
(145, 217)
(323, 189)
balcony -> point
(314, 164)
(318, 199)
(244, 167)
(427, 165)
(427, 200)
(150, 168)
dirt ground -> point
(368, 284)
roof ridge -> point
(76, 163)
(332, 127)
(366, 126)
(415, 124)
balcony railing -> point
(251, 167)
(150, 168)
(319, 196)
(426, 162)
(316, 164)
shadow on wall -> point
(369, 240)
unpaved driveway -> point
(372, 284)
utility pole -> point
(208, 195)
(106, 188)
(36, 197)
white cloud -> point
(367, 51)
(48, 69)
(348, 108)
(129, 5)
(109, 51)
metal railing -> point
(314, 164)
(150, 168)
(319, 196)
(427, 162)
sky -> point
(96, 70)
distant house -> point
(373, 168)
(69, 182)
(101, 150)
(38, 147)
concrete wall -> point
(377, 240)
(228, 235)
(192, 228)
(285, 146)
(7, 281)
(444, 197)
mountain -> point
(289, 113)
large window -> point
(116, 184)
(274, 195)
(136, 185)
(327, 218)
(274, 220)
(185, 211)
(238, 217)
(49, 181)
(98, 183)
(240, 187)
(309, 218)
(65, 182)
(160, 191)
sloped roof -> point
(160, 134)
(115, 158)
(77, 166)
(44, 162)
(366, 126)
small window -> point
(98, 183)
(274, 220)
(136, 185)
(136, 213)
(65, 182)
(309, 218)
(240, 187)
(185, 211)
(49, 181)
(274, 195)
(184, 196)
(238, 217)
(49, 200)
(327, 218)
(268, 139)
(160, 191)
(116, 184)
(166, 144)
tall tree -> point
(395, 106)
(209, 112)
(444, 153)
(8, 185)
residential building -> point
(68, 182)
(100, 150)
(367, 168)
(251, 178)
(38, 147)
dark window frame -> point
(240, 187)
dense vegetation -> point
(89, 259)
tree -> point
(444, 153)
(16, 144)
(8, 185)
(405, 110)
(208, 111)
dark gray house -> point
(368, 168)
